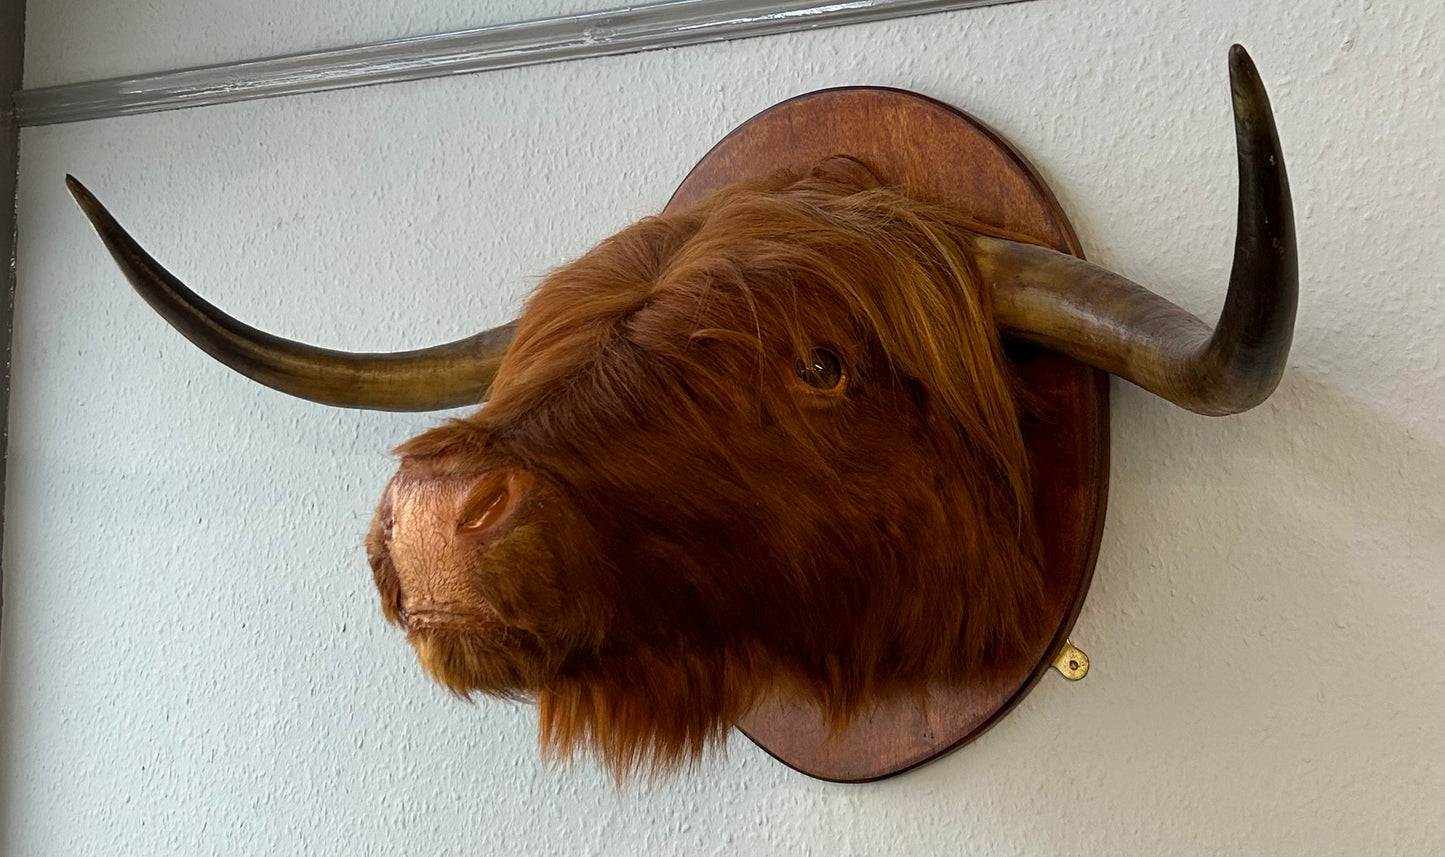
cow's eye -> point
(821, 370)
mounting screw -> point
(1072, 662)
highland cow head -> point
(769, 442)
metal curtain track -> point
(645, 27)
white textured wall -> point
(192, 658)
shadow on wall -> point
(1389, 478)
(1308, 534)
(1311, 459)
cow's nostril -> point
(486, 510)
(491, 502)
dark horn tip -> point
(77, 190)
(1244, 79)
(84, 198)
(1240, 62)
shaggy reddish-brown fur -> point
(699, 526)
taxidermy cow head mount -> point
(771, 443)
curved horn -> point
(445, 376)
(1092, 314)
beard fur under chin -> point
(466, 662)
(646, 716)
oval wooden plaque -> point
(936, 152)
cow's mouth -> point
(453, 618)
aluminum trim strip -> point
(675, 23)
